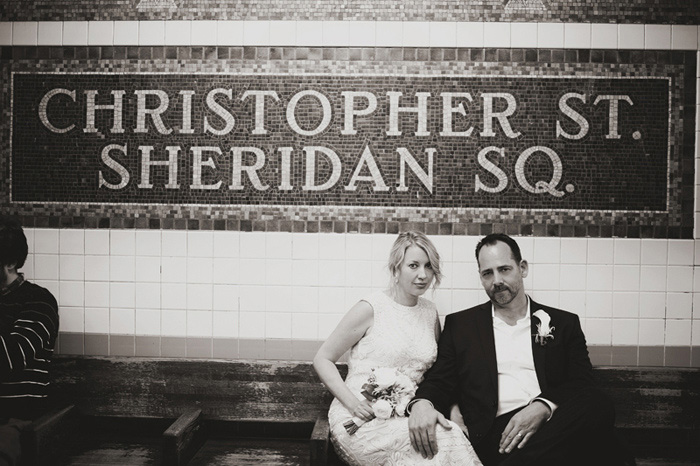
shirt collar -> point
(14, 285)
(498, 321)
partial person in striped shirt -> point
(28, 330)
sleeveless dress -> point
(401, 337)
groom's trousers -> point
(580, 433)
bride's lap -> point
(380, 440)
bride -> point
(393, 329)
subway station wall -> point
(198, 180)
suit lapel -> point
(538, 351)
(488, 344)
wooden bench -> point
(178, 411)
(658, 412)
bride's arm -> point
(351, 328)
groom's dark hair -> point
(493, 238)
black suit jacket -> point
(465, 371)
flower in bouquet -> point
(382, 409)
(389, 390)
(383, 378)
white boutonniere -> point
(544, 331)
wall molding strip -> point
(351, 34)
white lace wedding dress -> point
(404, 338)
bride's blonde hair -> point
(398, 252)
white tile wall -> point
(550, 35)
(625, 304)
(354, 34)
(443, 34)
(199, 324)
(122, 295)
(604, 36)
(100, 32)
(652, 305)
(121, 269)
(127, 33)
(577, 36)
(627, 251)
(630, 36)
(173, 296)
(71, 294)
(147, 322)
(225, 298)
(600, 251)
(72, 267)
(178, 32)
(678, 332)
(679, 305)
(625, 332)
(657, 36)
(199, 270)
(46, 266)
(173, 322)
(470, 34)
(684, 37)
(122, 321)
(204, 32)
(523, 35)
(695, 333)
(388, 33)
(258, 32)
(72, 319)
(6, 33)
(336, 33)
(50, 33)
(627, 291)
(151, 32)
(281, 32)
(98, 267)
(46, 241)
(229, 33)
(97, 320)
(25, 33)
(225, 324)
(497, 35)
(362, 33)
(75, 33)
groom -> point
(520, 373)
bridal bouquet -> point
(389, 390)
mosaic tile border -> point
(678, 223)
(649, 11)
(92, 344)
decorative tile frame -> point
(677, 223)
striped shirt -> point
(28, 330)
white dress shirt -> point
(517, 379)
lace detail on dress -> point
(402, 337)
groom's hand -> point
(522, 426)
(421, 427)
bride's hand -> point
(363, 410)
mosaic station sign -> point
(587, 143)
